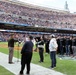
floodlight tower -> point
(66, 6)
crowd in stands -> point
(10, 12)
(4, 35)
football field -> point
(67, 67)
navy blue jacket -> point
(28, 47)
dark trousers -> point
(41, 50)
(61, 50)
(67, 50)
(26, 59)
(53, 58)
(74, 50)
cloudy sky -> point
(57, 4)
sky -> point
(56, 4)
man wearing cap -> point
(52, 48)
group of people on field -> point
(66, 45)
(53, 45)
(26, 53)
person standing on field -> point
(53, 48)
(11, 42)
(26, 56)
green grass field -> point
(67, 67)
(4, 71)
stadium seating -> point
(12, 12)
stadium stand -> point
(33, 16)
(18, 12)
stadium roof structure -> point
(26, 27)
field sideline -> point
(67, 67)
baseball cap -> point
(53, 36)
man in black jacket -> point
(27, 51)
(41, 49)
(11, 42)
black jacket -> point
(28, 47)
(11, 42)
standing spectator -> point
(41, 49)
(47, 46)
(61, 45)
(71, 51)
(67, 46)
(36, 40)
(74, 46)
(53, 47)
(26, 56)
(11, 42)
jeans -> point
(53, 58)
(67, 50)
